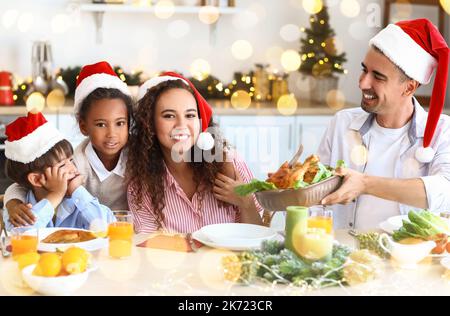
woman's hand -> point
(20, 214)
(224, 189)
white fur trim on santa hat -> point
(425, 155)
(34, 145)
(205, 141)
(154, 82)
(101, 80)
(403, 51)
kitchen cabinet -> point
(265, 142)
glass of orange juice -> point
(120, 235)
(24, 240)
(321, 218)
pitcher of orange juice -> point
(24, 240)
(120, 235)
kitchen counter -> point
(162, 272)
(221, 107)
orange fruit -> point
(75, 260)
(26, 259)
(49, 265)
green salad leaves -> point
(422, 224)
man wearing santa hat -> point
(397, 154)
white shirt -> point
(349, 130)
(99, 167)
(383, 149)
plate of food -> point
(53, 238)
(303, 184)
(423, 225)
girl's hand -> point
(74, 184)
(20, 214)
(224, 189)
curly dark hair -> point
(145, 165)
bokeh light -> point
(359, 155)
(359, 30)
(290, 33)
(287, 104)
(259, 10)
(164, 9)
(241, 50)
(56, 99)
(209, 14)
(60, 23)
(35, 102)
(25, 22)
(165, 259)
(350, 8)
(335, 99)
(11, 279)
(178, 29)
(411, 168)
(211, 271)
(9, 18)
(290, 60)
(119, 269)
(312, 6)
(445, 4)
(200, 69)
(241, 100)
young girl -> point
(173, 183)
(103, 108)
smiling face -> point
(382, 84)
(106, 124)
(177, 122)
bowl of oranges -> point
(59, 273)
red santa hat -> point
(29, 137)
(418, 48)
(99, 75)
(205, 140)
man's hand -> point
(353, 185)
(20, 214)
(74, 184)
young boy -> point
(40, 159)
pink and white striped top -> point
(183, 215)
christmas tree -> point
(318, 51)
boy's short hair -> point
(18, 171)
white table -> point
(161, 272)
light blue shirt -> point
(81, 210)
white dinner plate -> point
(198, 235)
(397, 221)
(386, 227)
(90, 245)
(238, 234)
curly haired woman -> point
(180, 178)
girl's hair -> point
(18, 171)
(145, 166)
(104, 93)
